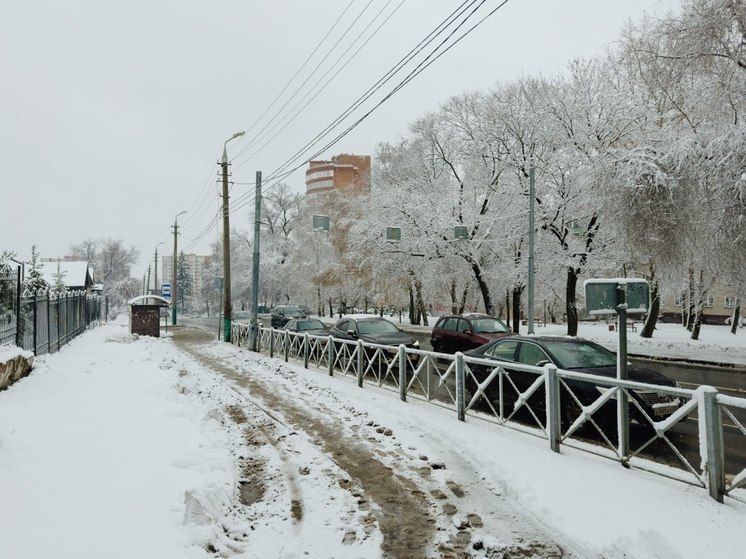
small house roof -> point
(75, 274)
(149, 300)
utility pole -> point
(254, 331)
(531, 197)
(227, 303)
(173, 271)
(155, 279)
(148, 284)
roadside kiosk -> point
(145, 314)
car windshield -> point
(580, 355)
(294, 311)
(309, 325)
(376, 327)
(489, 326)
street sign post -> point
(620, 296)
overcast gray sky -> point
(115, 113)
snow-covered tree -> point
(58, 288)
(35, 284)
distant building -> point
(342, 172)
(197, 266)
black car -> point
(462, 332)
(373, 329)
(311, 326)
(282, 314)
(570, 354)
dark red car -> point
(462, 332)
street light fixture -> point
(227, 304)
(173, 272)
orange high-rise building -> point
(342, 172)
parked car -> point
(312, 326)
(462, 332)
(571, 354)
(283, 313)
(373, 329)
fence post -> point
(402, 373)
(19, 313)
(49, 322)
(330, 348)
(285, 340)
(59, 302)
(360, 362)
(271, 342)
(460, 387)
(305, 350)
(554, 420)
(36, 300)
(710, 414)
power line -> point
(280, 173)
(288, 118)
(305, 62)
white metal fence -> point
(703, 442)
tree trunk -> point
(454, 304)
(483, 288)
(507, 306)
(411, 305)
(697, 325)
(570, 304)
(464, 296)
(691, 314)
(331, 308)
(655, 305)
(517, 309)
(422, 310)
(736, 317)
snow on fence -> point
(700, 439)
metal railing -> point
(699, 438)
(44, 323)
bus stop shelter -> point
(145, 314)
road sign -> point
(602, 295)
(166, 290)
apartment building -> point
(197, 267)
(341, 172)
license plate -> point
(665, 410)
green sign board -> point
(321, 223)
(393, 234)
(218, 283)
(603, 296)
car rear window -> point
(503, 350)
(489, 326)
(376, 327)
(578, 355)
(450, 324)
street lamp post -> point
(227, 304)
(173, 272)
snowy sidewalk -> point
(97, 450)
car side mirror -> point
(352, 333)
(543, 362)
(468, 332)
